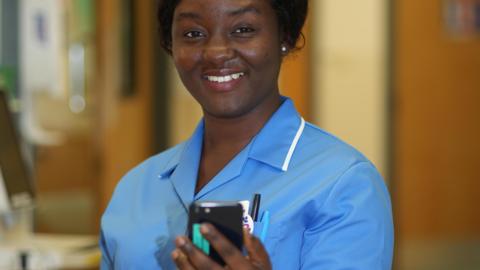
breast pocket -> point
(270, 233)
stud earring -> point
(284, 49)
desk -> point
(49, 251)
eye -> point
(243, 30)
(193, 34)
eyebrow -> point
(244, 10)
(188, 15)
(233, 13)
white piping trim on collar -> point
(293, 145)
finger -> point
(257, 253)
(181, 260)
(197, 258)
(247, 241)
(229, 253)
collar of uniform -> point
(172, 163)
(275, 143)
(183, 167)
(183, 152)
(271, 145)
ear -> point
(284, 48)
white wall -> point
(349, 73)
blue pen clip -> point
(266, 223)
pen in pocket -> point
(266, 223)
(255, 206)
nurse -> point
(324, 205)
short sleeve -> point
(354, 227)
(106, 262)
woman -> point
(328, 206)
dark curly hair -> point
(291, 16)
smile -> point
(227, 78)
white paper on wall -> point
(43, 46)
(43, 62)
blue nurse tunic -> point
(328, 206)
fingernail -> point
(204, 229)
(180, 241)
(175, 254)
(184, 245)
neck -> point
(226, 137)
(235, 133)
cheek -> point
(185, 59)
(261, 57)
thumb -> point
(255, 250)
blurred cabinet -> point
(120, 133)
(127, 117)
(92, 100)
(436, 140)
(58, 93)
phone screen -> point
(225, 216)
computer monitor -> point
(16, 189)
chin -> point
(226, 112)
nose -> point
(218, 50)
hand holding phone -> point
(227, 219)
(224, 232)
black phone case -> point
(225, 216)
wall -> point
(349, 70)
(185, 112)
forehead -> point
(221, 8)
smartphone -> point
(225, 216)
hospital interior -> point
(90, 94)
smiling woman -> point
(324, 205)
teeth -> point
(221, 79)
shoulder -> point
(351, 181)
(320, 145)
(331, 162)
(147, 172)
(157, 163)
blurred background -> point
(93, 94)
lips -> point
(226, 78)
(222, 80)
